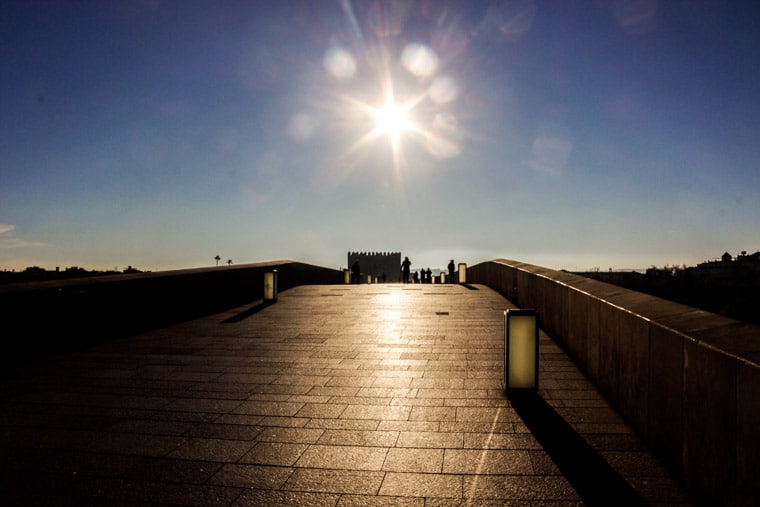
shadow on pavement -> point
(256, 308)
(595, 481)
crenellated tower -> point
(383, 266)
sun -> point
(404, 107)
(392, 119)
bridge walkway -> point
(335, 395)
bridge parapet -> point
(686, 379)
(46, 318)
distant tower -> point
(385, 266)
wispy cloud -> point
(8, 238)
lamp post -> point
(462, 272)
(521, 350)
(270, 286)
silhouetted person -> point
(355, 272)
(451, 271)
(405, 268)
(429, 276)
(416, 277)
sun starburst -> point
(412, 106)
(392, 118)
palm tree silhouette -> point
(217, 259)
(229, 262)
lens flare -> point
(340, 63)
(419, 59)
(443, 90)
(442, 140)
(513, 19)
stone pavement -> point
(335, 395)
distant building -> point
(728, 266)
(383, 266)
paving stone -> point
(136, 444)
(343, 457)
(198, 495)
(212, 449)
(377, 412)
(418, 402)
(321, 410)
(335, 481)
(500, 441)
(290, 435)
(380, 382)
(274, 453)
(215, 406)
(520, 487)
(379, 501)
(344, 424)
(224, 431)
(265, 497)
(414, 460)
(359, 437)
(251, 476)
(172, 470)
(271, 408)
(429, 439)
(487, 461)
(422, 485)
(408, 426)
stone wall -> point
(687, 380)
(381, 266)
(46, 318)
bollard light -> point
(347, 276)
(521, 350)
(462, 272)
(270, 286)
(369, 279)
(443, 277)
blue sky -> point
(571, 134)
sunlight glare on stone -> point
(389, 308)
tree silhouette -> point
(229, 262)
(217, 259)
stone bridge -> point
(185, 388)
